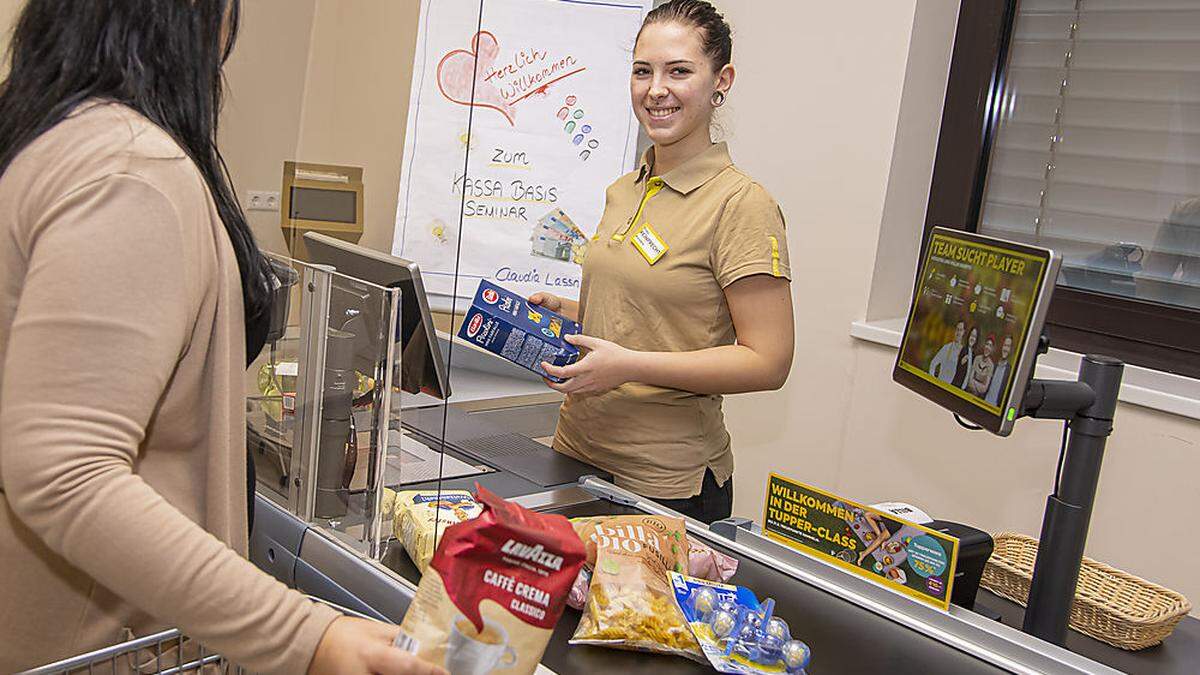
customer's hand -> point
(606, 366)
(361, 647)
(548, 300)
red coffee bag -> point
(496, 586)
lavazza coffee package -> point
(496, 586)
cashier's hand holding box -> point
(604, 365)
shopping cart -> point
(168, 652)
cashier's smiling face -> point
(673, 82)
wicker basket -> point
(1110, 605)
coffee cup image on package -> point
(506, 325)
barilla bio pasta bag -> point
(703, 561)
(496, 586)
(630, 603)
(505, 324)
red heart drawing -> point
(461, 68)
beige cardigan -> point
(122, 423)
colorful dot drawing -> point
(572, 116)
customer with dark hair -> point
(131, 292)
(966, 359)
(685, 294)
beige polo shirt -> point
(654, 280)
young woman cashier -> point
(685, 293)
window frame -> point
(1148, 334)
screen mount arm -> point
(1054, 399)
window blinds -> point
(1098, 148)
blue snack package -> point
(506, 325)
(737, 633)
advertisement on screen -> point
(972, 307)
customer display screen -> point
(972, 317)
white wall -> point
(359, 74)
(813, 117)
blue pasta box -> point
(505, 324)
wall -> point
(816, 125)
(360, 70)
(260, 125)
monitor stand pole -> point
(1088, 406)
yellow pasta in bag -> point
(630, 604)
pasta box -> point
(506, 325)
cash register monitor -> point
(973, 327)
(422, 368)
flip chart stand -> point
(1088, 406)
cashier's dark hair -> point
(163, 59)
(717, 38)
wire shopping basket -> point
(168, 652)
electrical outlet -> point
(259, 200)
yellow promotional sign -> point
(909, 558)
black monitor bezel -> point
(997, 423)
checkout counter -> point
(489, 430)
(851, 625)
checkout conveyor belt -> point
(851, 625)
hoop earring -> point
(718, 99)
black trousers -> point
(714, 502)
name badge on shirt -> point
(649, 244)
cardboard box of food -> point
(505, 324)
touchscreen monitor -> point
(972, 331)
